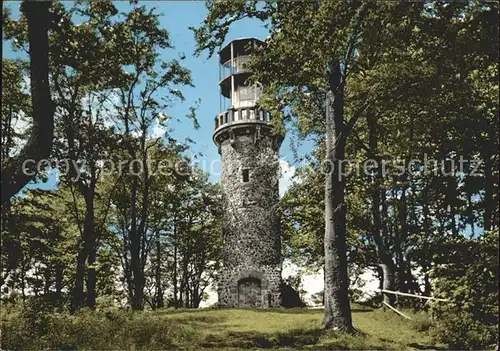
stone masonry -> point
(251, 272)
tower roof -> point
(238, 44)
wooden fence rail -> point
(395, 310)
(413, 295)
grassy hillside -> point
(233, 329)
(214, 329)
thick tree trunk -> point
(388, 280)
(196, 300)
(14, 175)
(337, 307)
(400, 267)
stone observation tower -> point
(251, 272)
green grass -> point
(207, 329)
(237, 329)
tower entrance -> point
(249, 292)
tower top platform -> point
(238, 48)
(240, 112)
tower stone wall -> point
(252, 228)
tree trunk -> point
(400, 267)
(58, 284)
(174, 275)
(78, 294)
(91, 276)
(138, 254)
(378, 212)
(337, 307)
(196, 294)
(14, 175)
(135, 252)
(46, 281)
(488, 190)
(91, 244)
(426, 224)
(403, 266)
(23, 281)
(388, 282)
(86, 252)
(159, 303)
(427, 282)
(184, 288)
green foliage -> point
(469, 280)
(417, 86)
(302, 232)
(38, 233)
(28, 329)
(111, 81)
(16, 106)
(302, 206)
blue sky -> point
(177, 17)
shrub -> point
(470, 281)
(290, 297)
(25, 329)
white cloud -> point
(370, 282)
(20, 123)
(26, 85)
(157, 130)
(312, 283)
(136, 133)
(212, 298)
(286, 179)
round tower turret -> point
(251, 272)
